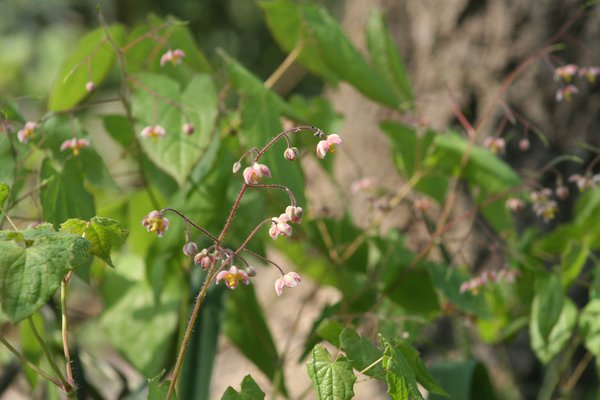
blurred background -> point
(459, 54)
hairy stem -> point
(64, 328)
(49, 357)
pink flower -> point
(562, 192)
(515, 204)
(232, 277)
(190, 249)
(90, 86)
(27, 132)
(291, 153)
(524, 144)
(590, 73)
(291, 279)
(328, 145)
(497, 145)
(173, 56)
(585, 182)
(75, 145)
(294, 213)
(204, 259)
(153, 131)
(566, 93)
(566, 72)
(188, 128)
(253, 174)
(155, 222)
(280, 227)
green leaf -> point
(94, 170)
(572, 261)
(158, 100)
(413, 290)
(102, 233)
(7, 166)
(330, 329)
(120, 129)
(4, 191)
(385, 56)
(243, 315)
(249, 391)
(158, 390)
(362, 353)
(31, 270)
(447, 279)
(422, 375)
(324, 48)
(465, 380)
(333, 379)
(561, 332)
(547, 304)
(90, 61)
(138, 325)
(400, 377)
(64, 195)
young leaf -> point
(245, 325)
(158, 390)
(90, 61)
(119, 128)
(400, 377)
(102, 233)
(249, 391)
(333, 379)
(31, 270)
(362, 353)
(64, 195)
(158, 100)
(547, 349)
(547, 304)
(421, 373)
(4, 191)
(385, 56)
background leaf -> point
(249, 391)
(334, 380)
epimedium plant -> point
(177, 126)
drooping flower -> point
(190, 249)
(205, 259)
(75, 145)
(566, 72)
(173, 56)
(232, 277)
(328, 145)
(584, 182)
(156, 222)
(253, 174)
(90, 86)
(515, 204)
(590, 73)
(566, 93)
(562, 192)
(291, 279)
(294, 213)
(497, 145)
(153, 131)
(543, 206)
(291, 153)
(27, 132)
(188, 128)
(524, 144)
(280, 227)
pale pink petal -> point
(334, 139)
(322, 149)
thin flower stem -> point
(188, 330)
(190, 222)
(254, 231)
(264, 259)
(275, 186)
(296, 129)
(232, 213)
(29, 364)
(374, 363)
(49, 357)
(64, 328)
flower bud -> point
(291, 153)
(204, 259)
(236, 166)
(562, 192)
(190, 249)
(524, 144)
(188, 128)
(90, 86)
(294, 213)
(250, 271)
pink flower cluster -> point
(585, 182)
(174, 57)
(543, 205)
(156, 222)
(567, 74)
(473, 285)
(497, 145)
(74, 145)
(253, 174)
(153, 131)
(27, 132)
